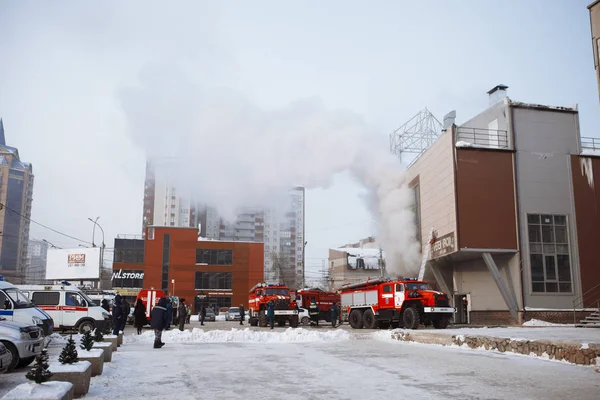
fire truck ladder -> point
(366, 283)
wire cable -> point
(3, 206)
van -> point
(16, 306)
(150, 298)
(69, 307)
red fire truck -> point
(150, 298)
(285, 308)
(323, 299)
(381, 303)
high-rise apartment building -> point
(16, 193)
(281, 228)
(35, 272)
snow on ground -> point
(539, 322)
(565, 334)
(197, 335)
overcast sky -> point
(65, 65)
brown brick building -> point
(216, 273)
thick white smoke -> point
(231, 153)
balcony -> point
(590, 146)
(481, 138)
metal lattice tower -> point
(416, 135)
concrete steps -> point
(591, 321)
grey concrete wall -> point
(499, 111)
(544, 142)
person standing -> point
(159, 321)
(182, 312)
(271, 313)
(334, 312)
(139, 316)
(126, 311)
(169, 307)
(202, 315)
(117, 315)
(313, 312)
(242, 314)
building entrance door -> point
(461, 302)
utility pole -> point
(304, 264)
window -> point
(549, 253)
(399, 287)
(75, 300)
(214, 257)
(45, 298)
(165, 262)
(213, 280)
(417, 210)
(387, 289)
(5, 303)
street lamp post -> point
(304, 265)
(95, 222)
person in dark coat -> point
(202, 315)
(105, 305)
(242, 314)
(117, 315)
(334, 314)
(139, 316)
(126, 310)
(313, 312)
(271, 313)
(169, 308)
(181, 311)
(159, 321)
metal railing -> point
(590, 143)
(590, 296)
(478, 137)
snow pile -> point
(196, 335)
(539, 322)
(462, 143)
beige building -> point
(514, 215)
(595, 23)
(16, 192)
(355, 262)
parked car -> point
(233, 314)
(23, 342)
(303, 316)
(210, 315)
(5, 358)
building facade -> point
(209, 272)
(35, 272)
(355, 262)
(16, 195)
(595, 25)
(510, 198)
(280, 229)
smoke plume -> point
(230, 153)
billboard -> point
(81, 263)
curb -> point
(573, 353)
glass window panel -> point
(560, 220)
(213, 257)
(535, 248)
(547, 234)
(535, 234)
(564, 287)
(537, 287)
(560, 234)
(533, 218)
(537, 267)
(550, 264)
(552, 287)
(547, 219)
(562, 249)
(564, 268)
(549, 249)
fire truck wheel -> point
(411, 318)
(441, 322)
(281, 322)
(369, 321)
(294, 321)
(356, 319)
(262, 319)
